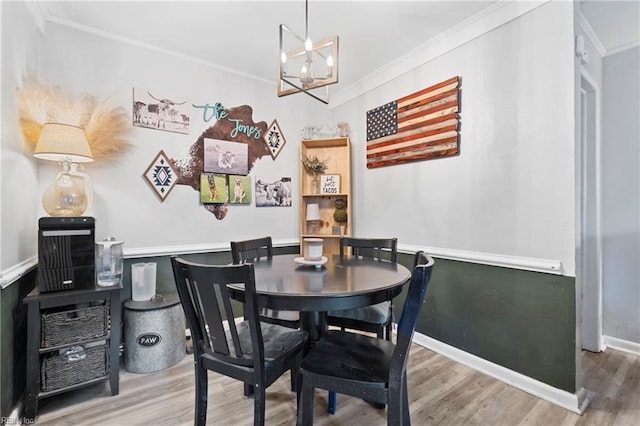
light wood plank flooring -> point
(441, 392)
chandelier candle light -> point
(297, 73)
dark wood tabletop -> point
(284, 285)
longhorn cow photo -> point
(161, 113)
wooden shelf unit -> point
(336, 153)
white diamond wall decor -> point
(161, 175)
(274, 139)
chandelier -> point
(306, 66)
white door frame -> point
(590, 257)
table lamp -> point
(71, 193)
(313, 215)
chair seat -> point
(350, 356)
(375, 314)
(278, 340)
(279, 315)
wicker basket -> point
(73, 366)
(75, 325)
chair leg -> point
(406, 417)
(259, 403)
(248, 390)
(389, 330)
(200, 418)
(294, 375)
(305, 403)
(332, 403)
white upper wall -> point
(19, 194)
(621, 194)
(511, 189)
(125, 206)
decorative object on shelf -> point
(296, 63)
(159, 113)
(314, 167)
(67, 195)
(161, 175)
(105, 127)
(312, 249)
(329, 184)
(343, 129)
(240, 191)
(431, 133)
(313, 217)
(274, 139)
(340, 214)
(213, 188)
(273, 192)
(231, 124)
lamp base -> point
(66, 196)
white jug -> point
(143, 281)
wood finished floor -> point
(441, 392)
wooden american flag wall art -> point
(420, 126)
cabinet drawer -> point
(74, 325)
(74, 365)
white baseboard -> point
(576, 403)
(622, 345)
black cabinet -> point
(73, 340)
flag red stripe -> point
(414, 147)
(412, 137)
(452, 92)
(429, 89)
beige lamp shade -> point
(63, 142)
(313, 212)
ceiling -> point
(242, 36)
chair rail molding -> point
(505, 261)
(137, 252)
(14, 273)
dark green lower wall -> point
(13, 342)
(521, 320)
(524, 321)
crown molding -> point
(39, 13)
(151, 47)
(477, 25)
(592, 36)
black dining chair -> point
(250, 251)
(366, 367)
(376, 318)
(250, 351)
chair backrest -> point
(370, 248)
(415, 298)
(205, 298)
(251, 250)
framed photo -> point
(156, 110)
(226, 157)
(329, 184)
(213, 188)
(240, 191)
(273, 192)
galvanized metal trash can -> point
(154, 334)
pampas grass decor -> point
(106, 127)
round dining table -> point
(284, 284)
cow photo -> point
(226, 157)
(273, 192)
(155, 110)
